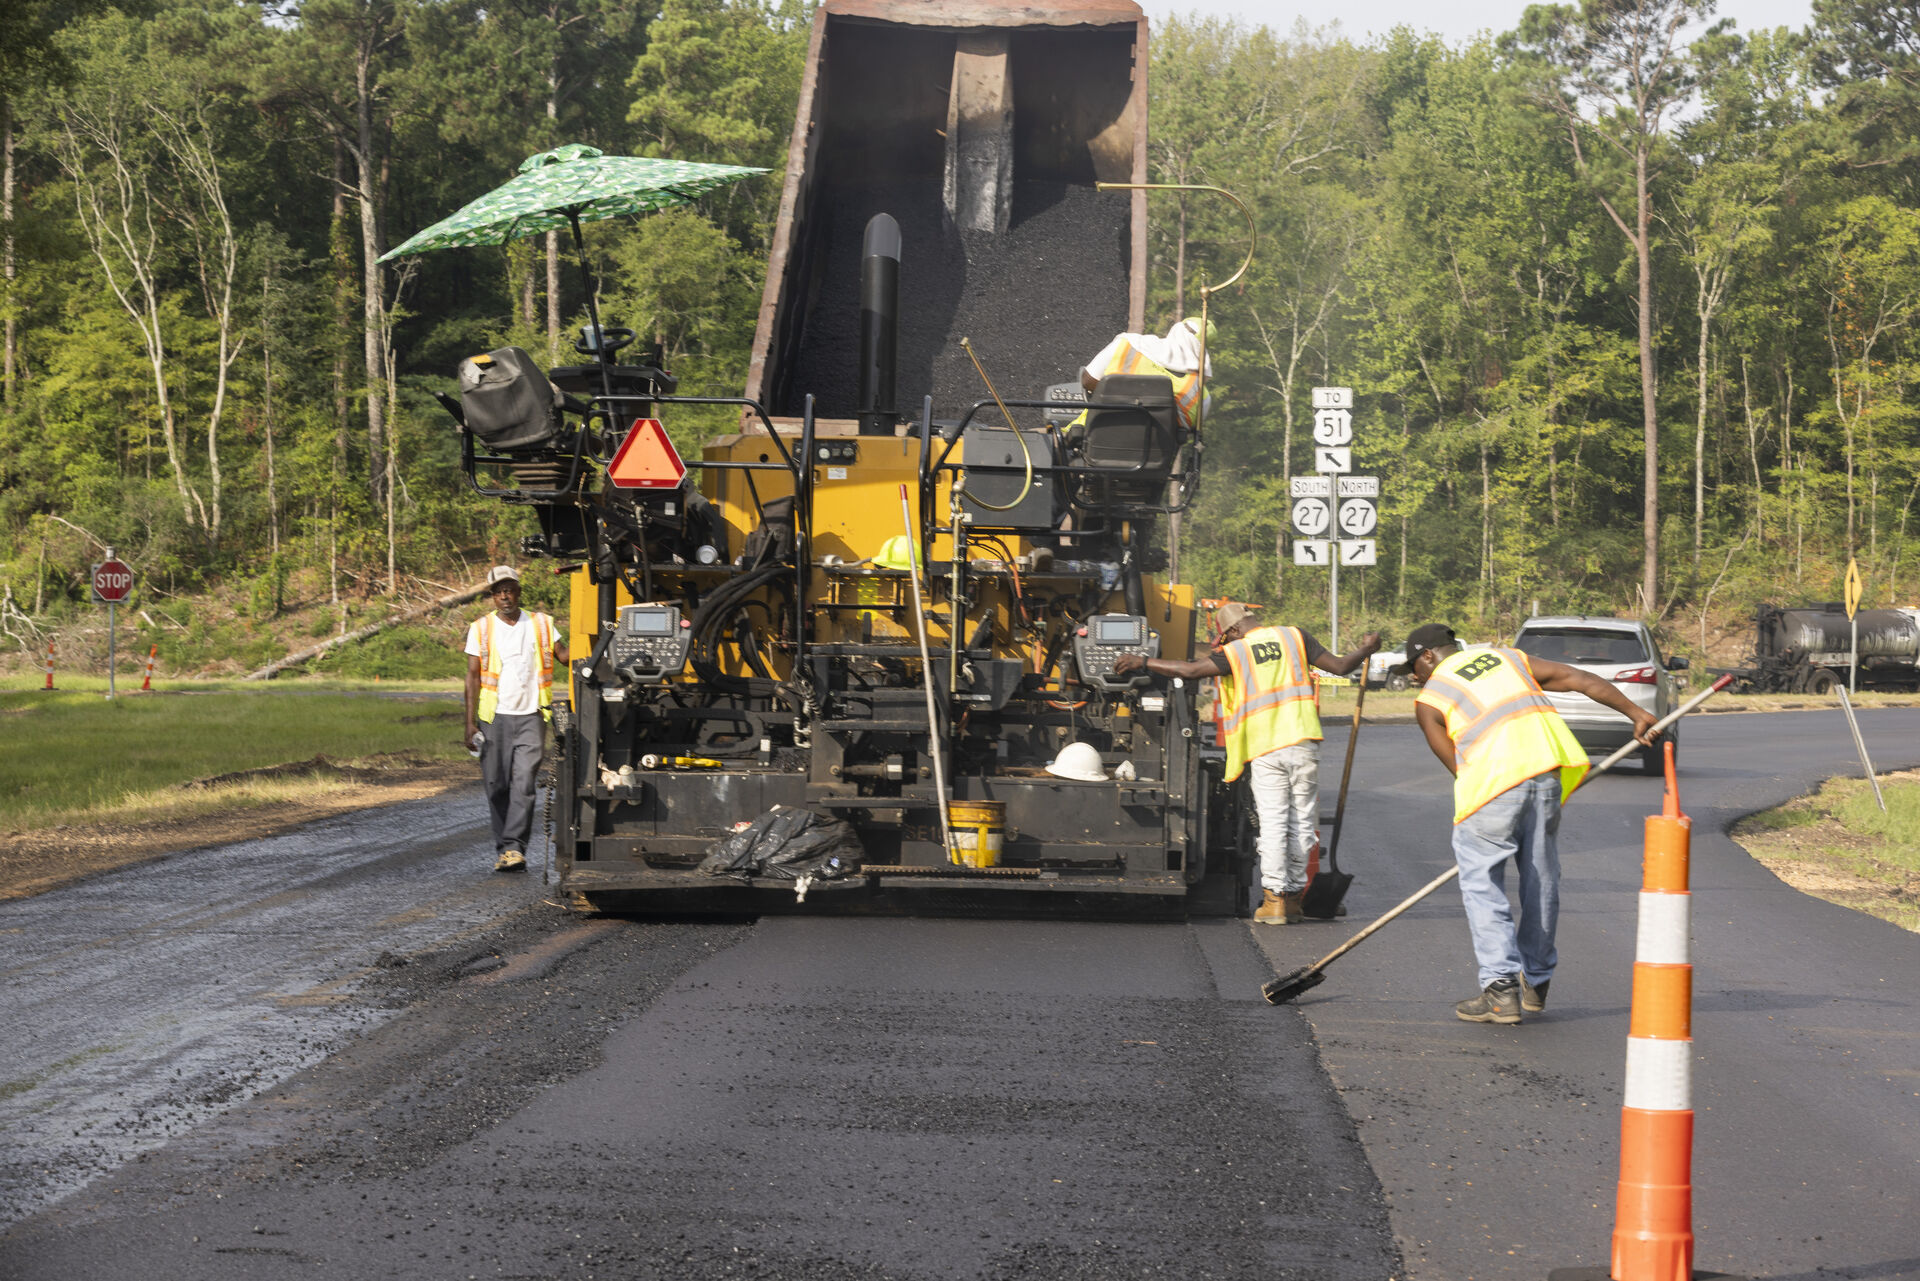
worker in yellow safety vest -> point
(1177, 357)
(1487, 717)
(511, 655)
(1269, 721)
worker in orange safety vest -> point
(1486, 715)
(1177, 357)
(1269, 721)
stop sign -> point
(112, 581)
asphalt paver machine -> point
(750, 636)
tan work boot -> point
(1272, 910)
(1290, 903)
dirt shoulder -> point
(1822, 845)
(218, 811)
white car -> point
(1622, 650)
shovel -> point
(1325, 891)
(1290, 985)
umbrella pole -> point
(593, 309)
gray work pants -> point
(510, 753)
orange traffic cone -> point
(1653, 1211)
(147, 683)
(49, 664)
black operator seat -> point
(1132, 428)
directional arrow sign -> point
(1359, 487)
(1332, 427)
(646, 459)
(1311, 487)
(1311, 516)
(1332, 458)
(1358, 517)
(1356, 551)
(1311, 551)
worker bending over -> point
(1268, 719)
(1513, 760)
(1177, 356)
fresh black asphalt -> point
(520, 1094)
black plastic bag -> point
(787, 843)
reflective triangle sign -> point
(646, 459)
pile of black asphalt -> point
(1037, 301)
(804, 1098)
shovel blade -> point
(1324, 895)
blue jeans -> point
(1519, 824)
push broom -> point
(1290, 985)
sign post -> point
(1335, 497)
(112, 583)
(1853, 609)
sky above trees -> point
(1454, 23)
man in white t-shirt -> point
(511, 657)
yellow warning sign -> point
(646, 459)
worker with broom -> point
(1513, 759)
(1269, 720)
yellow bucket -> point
(979, 832)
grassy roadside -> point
(72, 756)
(1837, 845)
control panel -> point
(1100, 641)
(650, 645)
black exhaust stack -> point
(879, 325)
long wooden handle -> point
(1346, 774)
(1454, 871)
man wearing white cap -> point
(1269, 721)
(511, 655)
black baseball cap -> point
(1421, 639)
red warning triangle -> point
(646, 459)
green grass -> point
(71, 750)
(1841, 829)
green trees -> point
(1632, 308)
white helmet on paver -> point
(1078, 761)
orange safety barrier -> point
(49, 664)
(147, 682)
(1653, 1211)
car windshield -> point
(1586, 646)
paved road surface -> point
(1499, 1146)
(536, 1097)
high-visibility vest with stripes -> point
(1266, 699)
(1186, 387)
(491, 662)
(1503, 726)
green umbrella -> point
(565, 187)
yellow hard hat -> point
(895, 553)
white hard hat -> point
(1080, 761)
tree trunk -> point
(314, 651)
(6, 251)
(553, 237)
(1649, 395)
(1700, 440)
(341, 252)
(372, 291)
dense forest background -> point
(1629, 297)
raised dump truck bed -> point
(748, 644)
(982, 129)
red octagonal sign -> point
(112, 581)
